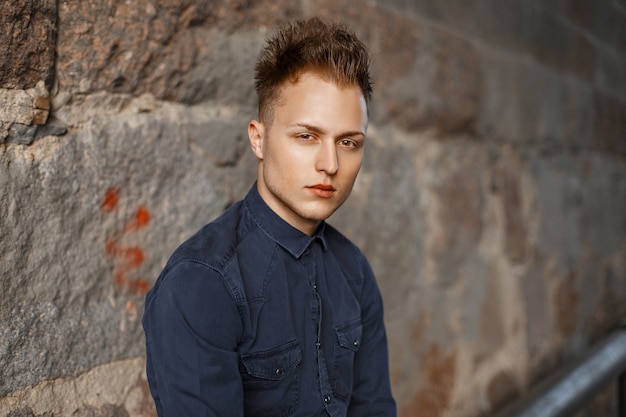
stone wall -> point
(492, 202)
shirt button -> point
(318, 345)
(356, 343)
(327, 399)
(279, 371)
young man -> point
(268, 310)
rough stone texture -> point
(175, 50)
(444, 84)
(565, 302)
(610, 123)
(491, 203)
(82, 288)
(435, 396)
(28, 33)
(86, 395)
(27, 43)
(501, 389)
(24, 115)
(27, 107)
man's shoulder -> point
(216, 241)
(204, 256)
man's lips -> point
(322, 190)
(326, 187)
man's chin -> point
(319, 214)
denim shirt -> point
(251, 317)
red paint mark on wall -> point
(141, 219)
(110, 199)
(126, 258)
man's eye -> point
(305, 136)
(349, 143)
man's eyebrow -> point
(316, 129)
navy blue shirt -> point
(251, 317)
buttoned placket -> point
(311, 258)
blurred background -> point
(491, 204)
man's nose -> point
(327, 158)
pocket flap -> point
(273, 364)
(349, 335)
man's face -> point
(311, 153)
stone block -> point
(175, 50)
(458, 14)
(608, 22)
(506, 182)
(435, 396)
(581, 12)
(549, 38)
(442, 89)
(457, 84)
(601, 181)
(524, 102)
(77, 293)
(26, 135)
(579, 45)
(502, 388)
(502, 23)
(457, 223)
(578, 114)
(28, 34)
(566, 300)
(116, 389)
(610, 72)
(603, 20)
(559, 196)
(582, 58)
(535, 294)
(480, 327)
(609, 123)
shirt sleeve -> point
(371, 395)
(192, 326)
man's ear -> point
(256, 133)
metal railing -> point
(571, 391)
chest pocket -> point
(270, 381)
(348, 343)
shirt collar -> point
(277, 229)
